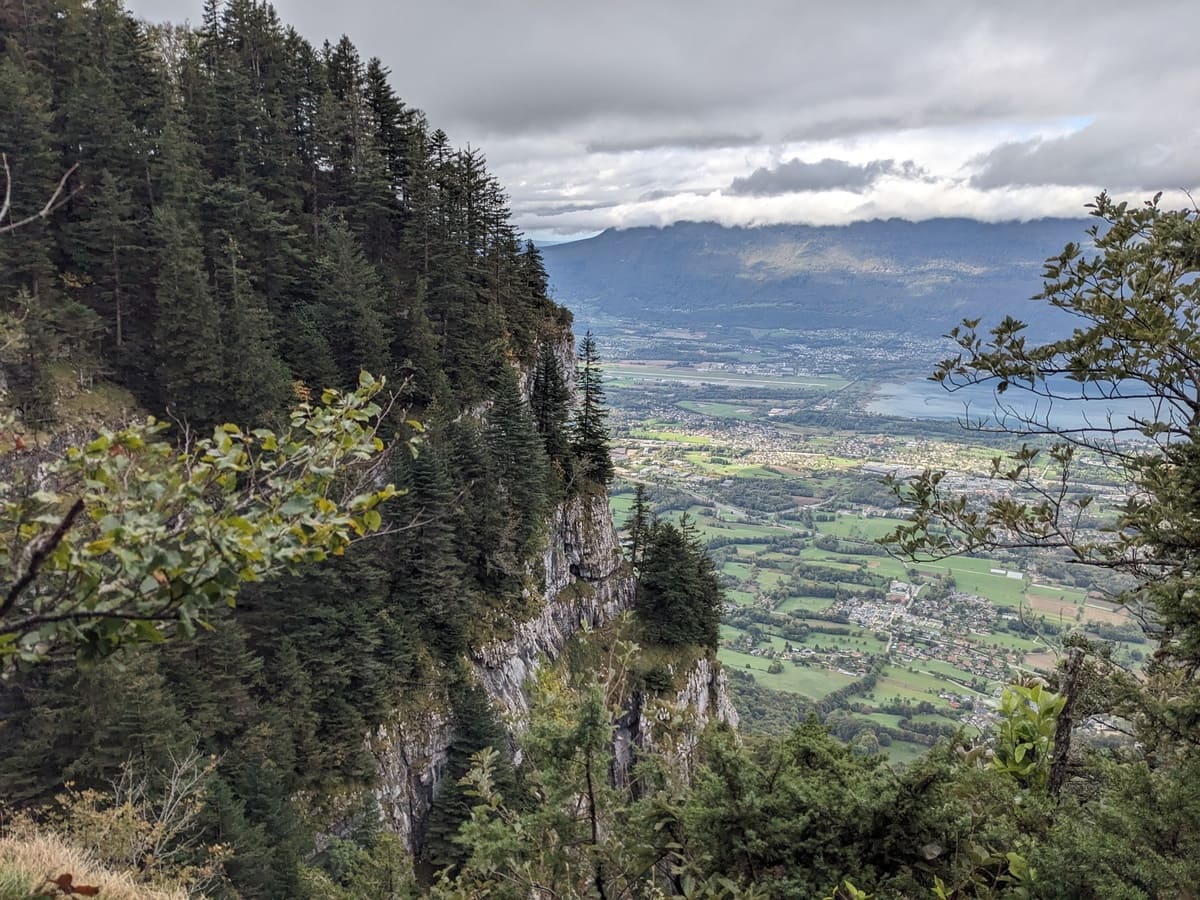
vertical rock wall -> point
(586, 584)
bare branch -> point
(56, 200)
(7, 188)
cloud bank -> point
(795, 176)
(624, 112)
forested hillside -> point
(245, 220)
(449, 683)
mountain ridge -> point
(893, 274)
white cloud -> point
(1019, 109)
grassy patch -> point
(810, 682)
(806, 604)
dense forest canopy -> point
(245, 210)
(247, 219)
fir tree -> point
(256, 382)
(476, 726)
(520, 461)
(550, 400)
(350, 306)
(679, 595)
(187, 333)
(590, 438)
(637, 525)
(426, 575)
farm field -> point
(793, 516)
(618, 373)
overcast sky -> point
(599, 113)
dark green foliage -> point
(187, 333)
(427, 576)
(256, 211)
(679, 595)
(590, 437)
(520, 459)
(65, 724)
(550, 400)
(328, 226)
(792, 815)
(476, 726)
(350, 306)
(637, 525)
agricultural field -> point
(793, 516)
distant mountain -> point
(913, 277)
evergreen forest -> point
(207, 642)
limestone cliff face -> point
(411, 753)
(673, 723)
(585, 584)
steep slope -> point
(587, 585)
(253, 219)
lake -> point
(923, 399)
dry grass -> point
(27, 861)
(1041, 659)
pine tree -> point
(185, 346)
(109, 245)
(476, 726)
(550, 400)
(590, 439)
(637, 525)
(679, 595)
(27, 273)
(484, 538)
(187, 333)
(62, 723)
(351, 306)
(426, 575)
(256, 381)
(520, 461)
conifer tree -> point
(637, 525)
(520, 460)
(256, 382)
(350, 306)
(27, 272)
(550, 399)
(110, 245)
(679, 596)
(484, 538)
(590, 438)
(426, 574)
(476, 726)
(187, 333)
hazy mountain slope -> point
(919, 277)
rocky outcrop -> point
(411, 754)
(707, 695)
(586, 584)
(672, 724)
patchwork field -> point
(817, 608)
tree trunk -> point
(1066, 721)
